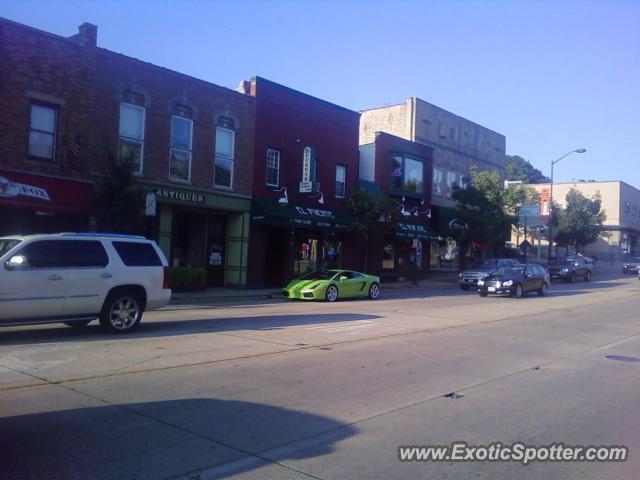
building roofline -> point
(380, 108)
(417, 99)
(403, 140)
(71, 41)
(255, 78)
(587, 183)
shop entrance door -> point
(276, 258)
(216, 244)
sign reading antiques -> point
(177, 195)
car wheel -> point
(518, 291)
(587, 277)
(332, 293)
(374, 291)
(544, 289)
(79, 324)
(122, 312)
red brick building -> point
(46, 105)
(70, 110)
(403, 170)
(305, 166)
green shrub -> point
(184, 279)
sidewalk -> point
(213, 295)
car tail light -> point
(165, 277)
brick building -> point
(403, 170)
(458, 144)
(306, 163)
(81, 109)
(46, 105)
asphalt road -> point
(295, 390)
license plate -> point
(492, 289)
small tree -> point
(580, 222)
(486, 210)
(116, 200)
(372, 216)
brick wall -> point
(161, 87)
(37, 66)
(288, 120)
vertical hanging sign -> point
(308, 170)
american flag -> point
(73, 151)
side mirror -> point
(15, 262)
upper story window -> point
(437, 182)
(273, 168)
(407, 176)
(224, 153)
(131, 141)
(341, 178)
(451, 181)
(181, 146)
(43, 120)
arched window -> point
(181, 144)
(224, 151)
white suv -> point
(76, 277)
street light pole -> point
(579, 150)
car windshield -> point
(7, 244)
(320, 275)
(509, 270)
(485, 264)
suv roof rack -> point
(100, 234)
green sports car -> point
(333, 284)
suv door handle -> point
(54, 277)
(106, 275)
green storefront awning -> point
(409, 228)
(266, 211)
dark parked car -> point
(516, 281)
(570, 268)
(469, 278)
(632, 265)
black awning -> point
(413, 228)
(267, 211)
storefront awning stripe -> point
(417, 229)
(267, 211)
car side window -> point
(349, 275)
(528, 271)
(85, 254)
(43, 254)
(137, 254)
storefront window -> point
(306, 256)
(388, 258)
(331, 253)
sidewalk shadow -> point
(58, 333)
(161, 439)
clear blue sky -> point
(551, 76)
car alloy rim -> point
(518, 291)
(332, 293)
(124, 313)
(375, 291)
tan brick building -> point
(458, 144)
(620, 236)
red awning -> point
(24, 190)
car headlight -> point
(498, 284)
(565, 270)
(508, 283)
(459, 275)
(480, 282)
